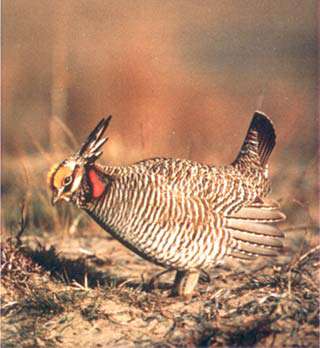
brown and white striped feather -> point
(184, 215)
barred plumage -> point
(179, 214)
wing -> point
(248, 223)
(253, 230)
(213, 202)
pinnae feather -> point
(94, 141)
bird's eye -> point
(67, 180)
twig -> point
(22, 222)
(306, 255)
(157, 276)
(303, 244)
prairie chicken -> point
(179, 214)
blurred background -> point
(181, 79)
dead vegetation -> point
(50, 299)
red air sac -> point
(98, 186)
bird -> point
(185, 216)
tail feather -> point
(240, 255)
(257, 250)
(255, 214)
(259, 142)
(253, 231)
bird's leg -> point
(185, 282)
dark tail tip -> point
(266, 135)
(260, 140)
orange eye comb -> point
(51, 172)
(56, 175)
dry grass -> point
(50, 299)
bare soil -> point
(86, 290)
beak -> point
(56, 196)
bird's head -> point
(66, 178)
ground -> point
(87, 290)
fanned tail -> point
(253, 231)
(259, 142)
